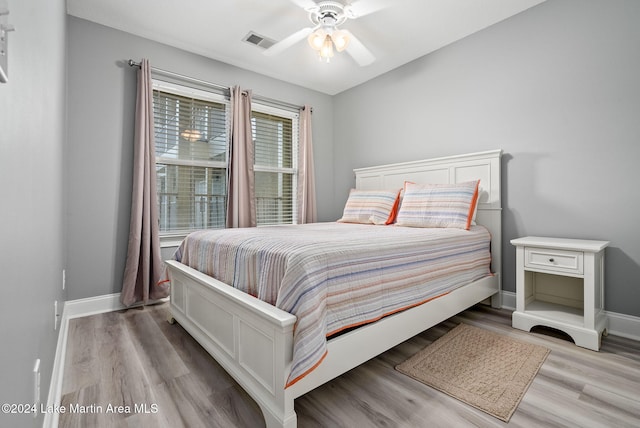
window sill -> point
(171, 241)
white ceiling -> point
(399, 33)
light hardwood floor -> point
(135, 358)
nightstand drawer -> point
(554, 260)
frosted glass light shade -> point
(316, 39)
(340, 40)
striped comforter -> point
(333, 276)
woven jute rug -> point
(486, 370)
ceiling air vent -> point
(258, 40)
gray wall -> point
(558, 89)
(32, 144)
(100, 155)
(555, 87)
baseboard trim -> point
(508, 300)
(623, 325)
(76, 309)
(55, 387)
(99, 305)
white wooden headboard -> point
(451, 169)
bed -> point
(254, 340)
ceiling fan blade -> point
(306, 4)
(358, 51)
(365, 7)
(287, 42)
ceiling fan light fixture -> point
(325, 41)
(325, 36)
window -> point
(191, 128)
(275, 136)
(191, 137)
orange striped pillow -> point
(439, 205)
(371, 206)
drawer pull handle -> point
(551, 260)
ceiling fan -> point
(325, 35)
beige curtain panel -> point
(143, 271)
(241, 207)
(307, 211)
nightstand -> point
(560, 284)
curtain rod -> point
(132, 63)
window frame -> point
(174, 238)
(295, 144)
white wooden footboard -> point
(251, 339)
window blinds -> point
(275, 152)
(191, 156)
